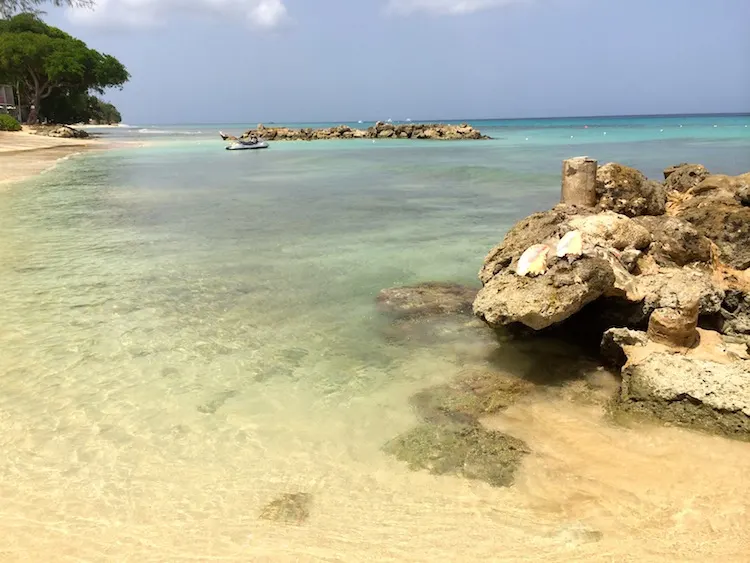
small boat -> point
(240, 145)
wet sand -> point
(23, 154)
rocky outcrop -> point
(647, 276)
(682, 177)
(675, 242)
(60, 131)
(706, 387)
(543, 301)
(381, 130)
(627, 191)
(715, 208)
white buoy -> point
(605, 133)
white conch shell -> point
(533, 261)
(570, 245)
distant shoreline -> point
(24, 155)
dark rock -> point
(615, 339)
(734, 315)
(472, 396)
(719, 216)
(425, 299)
(462, 449)
(675, 241)
(291, 508)
(626, 191)
(684, 176)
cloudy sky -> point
(199, 61)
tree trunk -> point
(36, 100)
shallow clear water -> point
(188, 333)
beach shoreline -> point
(24, 154)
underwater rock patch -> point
(217, 402)
(474, 395)
(462, 449)
(426, 299)
(291, 508)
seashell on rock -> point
(533, 261)
(570, 245)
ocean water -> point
(189, 333)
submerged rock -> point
(469, 397)
(291, 508)
(463, 449)
(425, 299)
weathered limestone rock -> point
(674, 327)
(610, 229)
(675, 241)
(682, 177)
(546, 300)
(615, 340)
(716, 211)
(535, 228)
(626, 191)
(706, 387)
(579, 181)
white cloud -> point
(445, 7)
(265, 14)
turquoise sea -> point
(188, 333)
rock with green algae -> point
(474, 395)
(460, 448)
(292, 508)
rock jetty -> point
(381, 130)
(657, 272)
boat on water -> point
(243, 143)
(247, 145)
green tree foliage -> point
(79, 107)
(9, 8)
(47, 61)
(9, 123)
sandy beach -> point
(23, 154)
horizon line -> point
(613, 116)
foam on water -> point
(189, 333)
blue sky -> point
(229, 61)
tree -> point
(9, 8)
(79, 107)
(46, 60)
